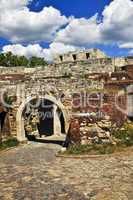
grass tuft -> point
(11, 142)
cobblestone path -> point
(32, 172)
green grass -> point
(124, 139)
(96, 149)
(11, 142)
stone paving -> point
(32, 172)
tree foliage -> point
(34, 61)
(10, 60)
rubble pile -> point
(96, 132)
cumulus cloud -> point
(126, 45)
(28, 51)
(19, 24)
(116, 27)
(117, 23)
(38, 51)
(13, 5)
(80, 32)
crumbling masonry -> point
(70, 75)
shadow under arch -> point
(20, 119)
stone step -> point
(53, 138)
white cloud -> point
(117, 23)
(131, 52)
(116, 27)
(13, 4)
(28, 51)
(126, 45)
(80, 32)
(38, 51)
(19, 24)
(58, 48)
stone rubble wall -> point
(58, 79)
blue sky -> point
(78, 8)
(54, 27)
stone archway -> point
(20, 119)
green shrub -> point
(125, 136)
(107, 149)
(11, 142)
(91, 149)
(97, 149)
(79, 149)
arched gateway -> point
(57, 105)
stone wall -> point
(78, 56)
(61, 80)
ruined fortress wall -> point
(16, 70)
(74, 63)
(75, 71)
(93, 58)
(78, 56)
(59, 78)
(11, 70)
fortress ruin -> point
(58, 83)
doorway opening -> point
(44, 120)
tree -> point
(35, 61)
(2, 59)
(14, 60)
(23, 61)
(8, 57)
(10, 60)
